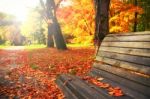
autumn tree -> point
(9, 30)
(54, 29)
(49, 14)
(77, 20)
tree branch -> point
(57, 5)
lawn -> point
(35, 46)
(3, 46)
(29, 47)
(39, 46)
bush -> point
(7, 43)
(2, 41)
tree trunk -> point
(55, 27)
(135, 20)
(58, 37)
(50, 42)
(101, 20)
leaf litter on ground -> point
(36, 75)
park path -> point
(9, 59)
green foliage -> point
(5, 16)
(8, 43)
(34, 46)
(33, 66)
(72, 71)
(144, 23)
(3, 46)
(33, 27)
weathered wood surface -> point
(121, 57)
(128, 58)
(130, 33)
(126, 90)
(124, 74)
(83, 90)
(124, 82)
(142, 45)
(68, 93)
(79, 88)
(129, 51)
(128, 38)
(125, 65)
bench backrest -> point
(130, 51)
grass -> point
(79, 45)
(4, 46)
(38, 46)
(35, 46)
(33, 66)
(28, 47)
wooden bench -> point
(123, 60)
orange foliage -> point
(122, 16)
(78, 19)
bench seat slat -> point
(127, 91)
(124, 74)
(124, 82)
(66, 91)
(84, 90)
(80, 88)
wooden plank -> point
(123, 73)
(80, 88)
(128, 58)
(77, 83)
(130, 51)
(132, 93)
(67, 92)
(125, 65)
(142, 45)
(128, 38)
(130, 33)
(104, 92)
(122, 81)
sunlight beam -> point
(18, 8)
